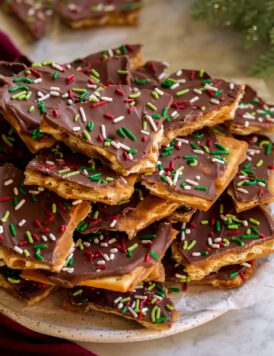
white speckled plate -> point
(49, 318)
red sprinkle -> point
(4, 199)
(108, 116)
(119, 91)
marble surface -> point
(169, 33)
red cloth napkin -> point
(14, 338)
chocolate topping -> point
(24, 289)
(124, 50)
(148, 302)
(108, 254)
(34, 14)
(12, 148)
(221, 230)
(112, 71)
(190, 165)
(31, 93)
(64, 165)
(253, 111)
(9, 69)
(120, 120)
(149, 75)
(106, 217)
(72, 10)
(252, 180)
(195, 95)
(32, 219)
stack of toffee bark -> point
(117, 177)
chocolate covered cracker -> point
(254, 183)
(120, 124)
(221, 237)
(28, 291)
(36, 225)
(198, 101)
(147, 304)
(106, 258)
(194, 170)
(26, 97)
(253, 114)
(75, 176)
(88, 13)
(34, 15)
(130, 216)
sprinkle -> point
(20, 204)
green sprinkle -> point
(151, 106)
(55, 75)
(201, 187)
(233, 275)
(86, 135)
(154, 255)
(13, 280)
(249, 236)
(5, 216)
(132, 247)
(260, 163)
(19, 87)
(182, 92)
(129, 134)
(12, 230)
(77, 292)
(41, 106)
(237, 240)
(173, 290)
(22, 80)
(254, 221)
(72, 174)
(29, 237)
(169, 307)
(191, 245)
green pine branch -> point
(253, 19)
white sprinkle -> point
(52, 237)
(41, 189)
(76, 128)
(101, 262)
(65, 95)
(182, 140)
(112, 256)
(189, 181)
(101, 237)
(246, 124)
(68, 269)
(231, 86)
(44, 238)
(217, 160)
(183, 236)
(242, 190)
(18, 249)
(54, 93)
(158, 91)
(169, 180)
(181, 81)
(70, 102)
(210, 87)
(209, 241)
(104, 244)
(194, 99)
(199, 152)
(145, 132)
(2, 229)
(20, 204)
(83, 114)
(106, 257)
(103, 131)
(245, 264)
(187, 187)
(111, 241)
(113, 223)
(215, 246)
(152, 123)
(180, 276)
(55, 88)
(197, 91)
(143, 297)
(76, 202)
(245, 223)
(174, 113)
(115, 144)
(106, 98)
(120, 306)
(117, 300)
(262, 184)
(96, 241)
(45, 97)
(57, 66)
(38, 80)
(92, 86)
(114, 250)
(197, 177)
(119, 118)
(214, 101)
(15, 191)
(49, 163)
(125, 147)
(218, 239)
(176, 176)
(161, 76)
(8, 182)
(130, 156)
(133, 313)
(224, 218)
(188, 231)
(174, 86)
(179, 73)
(196, 254)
